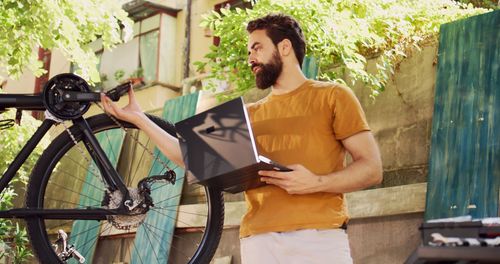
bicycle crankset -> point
(53, 96)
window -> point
(150, 54)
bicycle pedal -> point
(115, 93)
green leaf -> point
(341, 33)
(66, 25)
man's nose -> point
(251, 58)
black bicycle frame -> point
(110, 175)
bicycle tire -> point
(43, 189)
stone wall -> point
(401, 118)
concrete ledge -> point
(370, 203)
(387, 201)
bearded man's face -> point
(266, 74)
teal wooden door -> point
(310, 67)
(464, 165)
(87, 232)
(174, 110)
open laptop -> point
(219, 150)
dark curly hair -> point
(279, 27)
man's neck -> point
(290, 79)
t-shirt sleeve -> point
(348, 115)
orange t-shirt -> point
(305, 127)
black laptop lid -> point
(216, 141)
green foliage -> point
(14, 138)
(119, 74)
(493, 4)
(13, 238)
(341, 33)
(66, 25)
(104, 77)
(138, 73)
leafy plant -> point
(99, 86)
(342, 34)
(66, 25)
(493, 4)
(103, 77)
(13, 237)
(138, 73)
(119, 75)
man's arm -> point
(363, 172)
(166, 143)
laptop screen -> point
(217, 141)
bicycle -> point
(78, 192)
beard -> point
(269, 72)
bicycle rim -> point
(66, 178)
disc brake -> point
(141, 199)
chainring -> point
(53, 101)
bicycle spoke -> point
(166, 232)
(177, 249)
(83, 181)
(59, 225)
(184, 212)
(134, 150)
(132, 176)
(168, 199)
(81, 194)
(85, 232)
(137, 252)
(92, 240)
(75, 182)
(81, 166)
(173, 218)
(78, 206)
(151, 243)
(114, 156)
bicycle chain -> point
(142, 145)
(48, 115)
(121, 127)
(82, 153)
(128, 222)
(116, 221)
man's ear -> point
(285, 47)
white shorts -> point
(307, 246)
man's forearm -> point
(358, 175)
(365, 170)
(166, 143)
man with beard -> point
(300, 216)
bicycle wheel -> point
(66, 178)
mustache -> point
(253, 65)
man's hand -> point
(166, 143)
(363, 172)
(298, 181)
(131, 112)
